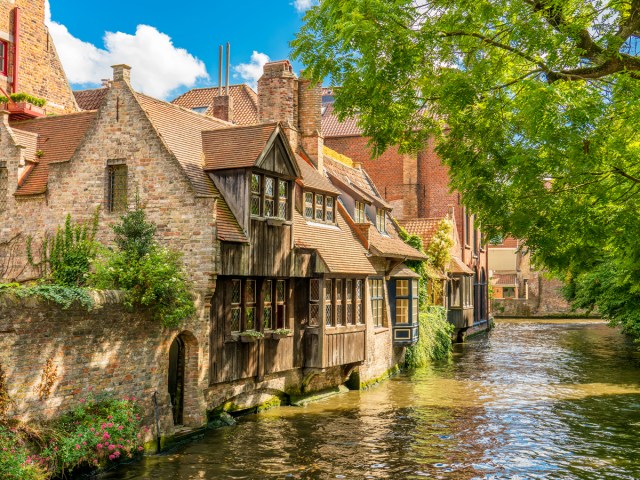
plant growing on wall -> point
(439, 249)
(151, 275)
(24, 97)
(67, 256)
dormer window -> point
(381, 223)
(359, 215)
(319, 208)
(269, 197)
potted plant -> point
(250, 336)
(280, 333)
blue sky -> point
(170, 48)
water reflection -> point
(533, 400)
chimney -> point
(310, 120)
(121, 73)
(223, 103)
(278, 98)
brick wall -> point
(40, 72)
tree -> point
(534, 105)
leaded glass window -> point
(314, 302)
(281, 304)
(329, 216)
(250, 305)
(267, 294)
(283, 198)
(269, 197)
(359, 313)
(319, 209)
(308, 205)
(328, 307)
(256, 198)
(236, 310)
(4, 187)
(349, 301)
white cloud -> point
(252, 71)
(158, 67)
(304, 5)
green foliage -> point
(66, 257)
(252, 333)
(61, 295)
(434, 342)
(439, 249)
(534, 107)
(151, 276)
(24, 97)
(92, 435)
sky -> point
(171, 46)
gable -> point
(276, 159)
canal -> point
(550, 399)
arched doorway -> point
(177, 361)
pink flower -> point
(106, 436)
(112, 457)
(103, 426)
(77, 447)
(109, 424)
(99, 446)
(111, 447)
(92, 429)
(120, 427)
(79, 434)
(140, 449)
(116, 453)
(110, 417)
(84, 443)
(133, 399)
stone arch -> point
(184, 363)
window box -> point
(250, 336)
(278, 334)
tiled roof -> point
(235, 147)
(338, 246)
(181, 130)
(458, 266)
(245, 102)
(403, 271)
(391, 245)
(505, 278)
(425, 228)
(90, 99)
(314, 180)
(58, 139)
(332, 127)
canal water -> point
(545, 399)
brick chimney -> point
(223, 108)
(310, 120)
(278, 98)
(121, 73)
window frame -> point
(381, 220)
(377, 293)
(320, 212)
(359, 212)
(4, 58)
(276, 197)
(114, 205)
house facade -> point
(295, 292)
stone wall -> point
(105, 351)
(545, 298)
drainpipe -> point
(16, 47)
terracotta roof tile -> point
(58, 139)
(314, 180)
(90, 99)
(403, 271)
(181, 130)
(332, 127)
(505, 278)
(425, 228)
(458, 266)
(338, 246)
(235, 147)
(245, 102)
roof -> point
(507, 279)
(458, 266)
(58, 137)
(338, 245)
(235, 147)
(332, 127)
(245, 102)
(181, 130)
(425, 228)
(90, 99)
(403, 271)
(313, 179)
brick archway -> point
(190, 414)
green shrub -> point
(150, 275)
(434, 342)
(67, 256)
(16, 461)
(59, 294)
(24, 97)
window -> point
(267, 312)
(200, 109)
(349, 302)
(508, 292)
(319, 208)
(475, 236)
(236, 309)
(116, 188)
(244, 300)
(359, 215)
(269, 197)
(359, 312)
(377, 302)
(250, 305)
(454, 298)
(328, 309)
(281, 304)
(314, 302)
(339, 316)
(407, 302)
(4, 58)
(308, 205)
(381, 220)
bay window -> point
(269, 197)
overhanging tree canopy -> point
(535, 105)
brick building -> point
(268, 238)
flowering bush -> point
(95, 434)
